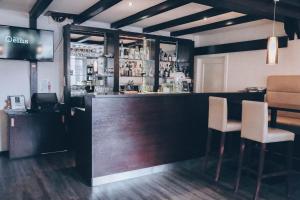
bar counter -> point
(125, 136)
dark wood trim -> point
(257, 8)
(292, 28)
(79, 39)
(38, 8)
(150, 12)
(90, 42)
(116, 62)
(94, 10)
(157, 62)
(221, 24)
(186, 19)
(238, 46)
(67, 53)
(290, 2)
(60, 14)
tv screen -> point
(26, 44)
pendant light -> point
(272, 52)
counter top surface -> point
(153, 94)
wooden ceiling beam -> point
(258, 8)
(38, 8)
(212, 26)
(186, 19)
(94, 10)
(291, 2)
(150, 12)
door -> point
(213, 76)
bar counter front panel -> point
(121, 133)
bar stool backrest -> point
(217, 117)
(254, 121)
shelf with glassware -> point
(90, 70)
(136, 68)
(174, 76)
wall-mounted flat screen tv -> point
(18, 43)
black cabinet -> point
(35, 133)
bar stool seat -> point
(233, 126)
(279, 135)
(218, 122)
(255, 128)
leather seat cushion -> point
(279, 135)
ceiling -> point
(122, 10)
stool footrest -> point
(270, 175)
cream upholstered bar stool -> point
(218, 122)
(255, 128)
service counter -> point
(125, 136)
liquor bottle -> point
(170, 58)
(161, 55)
(137, 53)
(165, 57)
(122, 50)
(174, 58)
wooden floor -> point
(54, 177)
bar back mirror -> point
(91, 65)
(137, 64)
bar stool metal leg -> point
(221, 155)
(207, 150)
(240, 165)
(289, 166)
(260, 169)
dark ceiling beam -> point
(94, 10)
(150, 12)
(221, 24)
(255, 7)
(291, 2)
(186, 19)
(252, 45)
(38, 8)
(80, 39)
(60, 14)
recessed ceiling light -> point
(205, 18)
(229, 23)
(130, 3)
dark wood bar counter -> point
(123, 136)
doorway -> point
(211, 74)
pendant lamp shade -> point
(272, 52)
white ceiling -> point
(70, 6)
(210, 20)
(172, 14)
(123, 10)
(17, 5)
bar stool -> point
(218, 122)
(255, 128)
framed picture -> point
(17, 102)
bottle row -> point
(137, 53)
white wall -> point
(247, 69)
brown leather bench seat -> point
(284, 91)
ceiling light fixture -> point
(272, 52)
(130, 3)
(229, 23)
(205, 18)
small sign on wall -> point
(45, 86)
